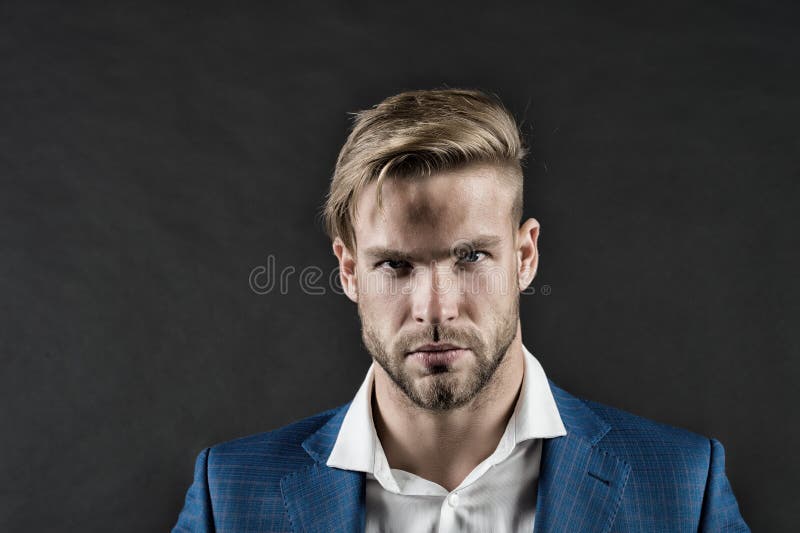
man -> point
(455, 427)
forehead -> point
(431, 213)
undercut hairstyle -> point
(416, 133)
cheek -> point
(384, 304)
(489, 294)
(480, 308)
(378, 286)
(496, 283)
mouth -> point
(435, 347)
(438, 355)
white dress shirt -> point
(499, 494)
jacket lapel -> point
(580, 485)
(321, 498)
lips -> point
(436, 347)
(437, 356)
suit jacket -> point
(612, 472)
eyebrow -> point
(481, 242)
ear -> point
(347, 269)
(527, 252)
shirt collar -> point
(535, 416)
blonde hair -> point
(416, 133)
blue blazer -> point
(612, 472)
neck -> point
(444, 447)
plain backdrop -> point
(152, 155)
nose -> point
(435, 296)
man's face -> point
(439, 266)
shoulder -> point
(239, 481)
(633, 435)
(625, 432)
(657, 453)
(281, 447)
(643, 443)
(675, 474)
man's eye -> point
(394, 264)
(472, 257)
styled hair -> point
(417, 133)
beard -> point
(443, 389)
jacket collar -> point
(319, 498)
(580, 485)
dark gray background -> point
(152, 155)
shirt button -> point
(453, 499)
